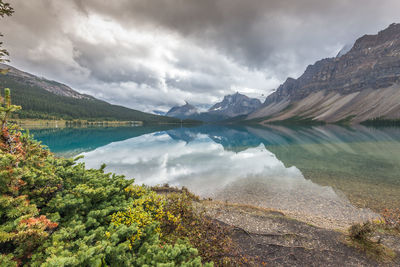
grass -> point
(361, 236)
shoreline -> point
(287, 239)
(44, 123)
(309, 219)
(303, 217)
(71, 123)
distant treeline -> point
(38, 103)
(381, 122)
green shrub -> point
(212, 239)
(361, 237)
(55, 212)
(362, 232)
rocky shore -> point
(280, 240)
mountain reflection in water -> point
(323, 172)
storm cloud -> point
(154, 54)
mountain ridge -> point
(41, 98)
(231, 106)
(360, 85)
(48, 85)
(235, 105)
(182, 112)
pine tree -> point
(5, 10)
(6, 108)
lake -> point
(322, 174)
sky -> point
(155, 54)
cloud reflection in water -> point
(251, 176)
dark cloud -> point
(111, 65)
(156, 53)
(257, 32)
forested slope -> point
(37, 102)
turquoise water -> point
(328, 172)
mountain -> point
(183, 112)
(159, 112)
(360, 85)
(235, 105)
(346, 48)
(50, 86)
(231, 106)
(45, 99)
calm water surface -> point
(327, 172)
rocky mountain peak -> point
(370, 63)
(231, 106)
(368, 41)
(182, 112)
(235, 105)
